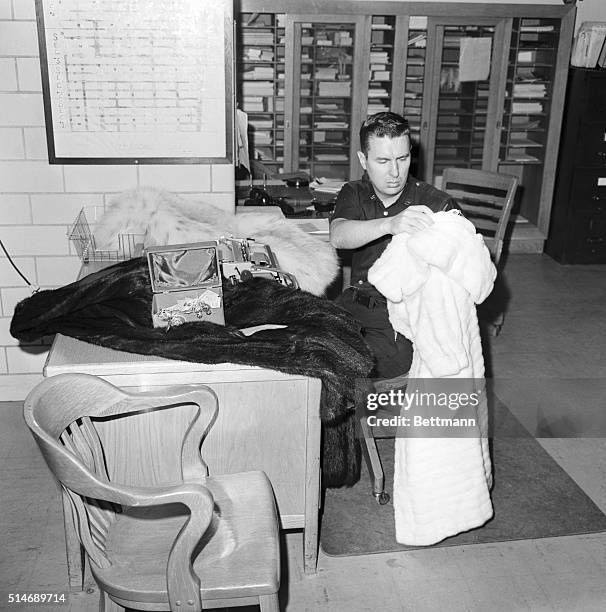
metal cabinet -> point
(578, 228)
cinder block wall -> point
(38, 201)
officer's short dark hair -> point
(382, 124)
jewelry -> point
(200, 306)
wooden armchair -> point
(203, 542)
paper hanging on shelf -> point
(242, 139)
(588, 44)
(417, 22)
(474, 59)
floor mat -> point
(533, 497)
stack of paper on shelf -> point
(527, 56)
(263, 37)
(323, 125)
(259, 72)
(257, 88)
(524, 123)
(377, 107)
(378, 92)
(537, 28)
(520, 156)
(325, 73)
(520, 139)
(322, 41)
(412, 110)
(415, 72)
(343, 39)
(381, 26)
(529, 90)
(526, 107)
(380, 75)
(261, 123)
(336, 88)
(255, 54)
(262, 137)
(256, 104)
(327, 106)
(379, 57)
(331, 157)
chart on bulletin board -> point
(137, 80)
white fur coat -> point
(432, 280)
(166, 218)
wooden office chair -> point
(486, 198)
(203, 542)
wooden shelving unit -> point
(528, 103)
(381, 63)
(326, 73)
(342, 61)
(325, 91)
(261, 77)
(462, 105)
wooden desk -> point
(267, 420)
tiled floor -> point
(555, 328)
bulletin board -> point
(137, 81)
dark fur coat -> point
(112, 308)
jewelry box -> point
(186, 283)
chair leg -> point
(498, 324)
(373, 462)
(106, 604)
(269, 603)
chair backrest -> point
(486, 199)
(63, 413)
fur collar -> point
(162, 218)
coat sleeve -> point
(397, 273)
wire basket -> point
(82, 237)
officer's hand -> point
(411, 220)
